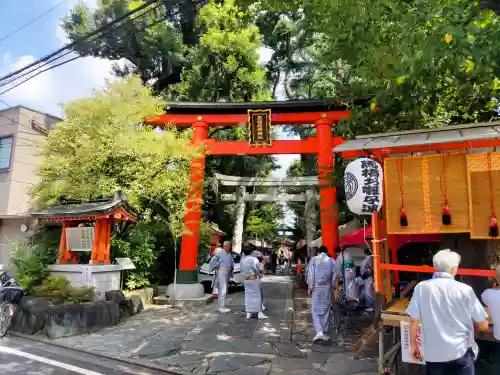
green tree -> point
(427, 63)
(262, 223)
(206, 51)
(153, 42)
(225, 63)
(102, 147)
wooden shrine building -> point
(87, 227)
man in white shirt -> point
(491, 298)
(491, 350)
(448, 311)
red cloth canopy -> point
(357, 238)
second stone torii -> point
(241, 196)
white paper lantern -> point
(363, 186)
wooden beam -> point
(266, 181)
(451, 146)
(298, 118)
(293, 146)
(425, 269)
(266, 197)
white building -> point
(22, 132)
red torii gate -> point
(323, 114)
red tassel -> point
(493, 227)
(446, 216)
(403, 218)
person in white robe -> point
(257, 254)
(321, 278)
(223, 264)
(252, 270)
(346, 272)
(366, 272)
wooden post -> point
(327, 191)
(65, 255)
(376, 251)
(102, 241)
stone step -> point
(161, 290)
(302, 303)
(188, 302)
(302, 316)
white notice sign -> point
(87, 276)
(405, 343)
(125, 263)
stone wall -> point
(146, 295)
(36, 314)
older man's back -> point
(447, 309)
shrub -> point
(138, 244)
(59, 289)
(30, 259)
(27, 264)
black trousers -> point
(460, 366)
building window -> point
(5, 152)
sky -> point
(74, 80)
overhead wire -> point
(34, 69)
(26, 141)
(5, 37)
(70, 46)
(55, 58)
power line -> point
(35, 68)
(70, 46)
(32, 21)
(38, 73)
(65, 61)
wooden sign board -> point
(259, 127)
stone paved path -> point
(202, 341)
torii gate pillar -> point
(327, 190)
(239, 222)
(191, 236)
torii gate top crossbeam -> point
(266, 197)
(290, 112)
(266, 181)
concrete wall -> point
(28, 128)
(103, 277)
(10, 231)
(8, 127)
(26, 158)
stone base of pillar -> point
(187, 277)
(186, 291)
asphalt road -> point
(21, 356)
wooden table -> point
(396, 314)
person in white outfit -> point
(366, 282)
(491, 298)
(321, 279)
(346, 272)
(448, 311)
(257, 254)
(252, 271)
(223, 264)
